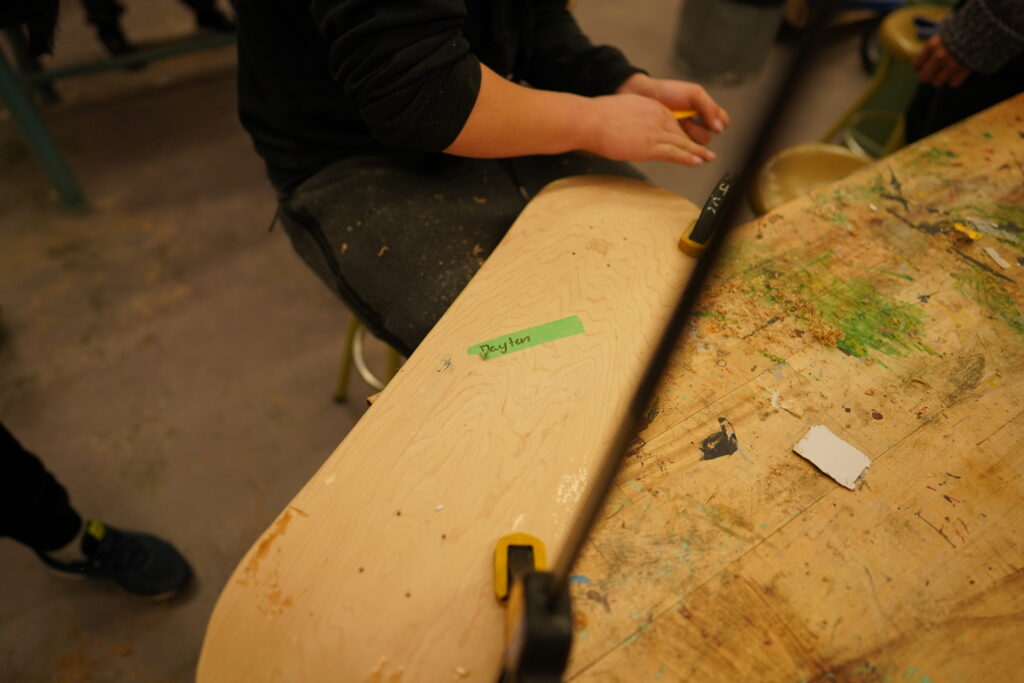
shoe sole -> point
(71, 576)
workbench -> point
(871, 307)
(886, 307)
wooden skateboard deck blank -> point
(381, 567)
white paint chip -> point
(994, 255)
(832, 455)
(439, 508)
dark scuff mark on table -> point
(965, 376)
(897, 194)
(645, 421)
(979, 264)
(599, 599)
(721, 443)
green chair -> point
(871, 128)
(874, 123)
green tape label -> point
(524, 339)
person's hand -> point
(637, 128)
(937, 67)
(677, 95)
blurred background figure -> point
(105, 17)
(974, 60)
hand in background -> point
(680, 95)
(937, 66)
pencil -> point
(681, 114)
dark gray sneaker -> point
(139, 563)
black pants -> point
(398, 236)
(34, 508)
(933, 109)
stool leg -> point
(359, 362)
(881, 73)
(25, 115)
(394, 360)
(345, 364)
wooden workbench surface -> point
(869, 308)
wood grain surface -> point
(380, 569)
(870, 308)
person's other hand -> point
(937, 67)
(680, 95)
(631, 127)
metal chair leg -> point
(352, 354)
(881, 73)
(19, 102)
(345, 364)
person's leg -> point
(208, 16)
(34, 507)
(35, 511)
(933, 109)
(105, 17)
(397, 237)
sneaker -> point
(139, 563)
(214, 20)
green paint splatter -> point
(901, 276)
(934, 154)
(987, 135)
(661, 671)
(774, 359)
(983, 289)
(632, 639)
(910, 672)
(839, 219)
(868, 319)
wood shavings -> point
(994, 255)
(832, 455)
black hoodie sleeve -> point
(406, 66)
(562, 58)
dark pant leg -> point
(933, 109)
(200, 6)
(398, 236)
(102, 12)
(34, 508)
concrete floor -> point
(170, 360)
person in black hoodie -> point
(405, 136)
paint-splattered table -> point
(887, 307)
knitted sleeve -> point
(985, 34)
